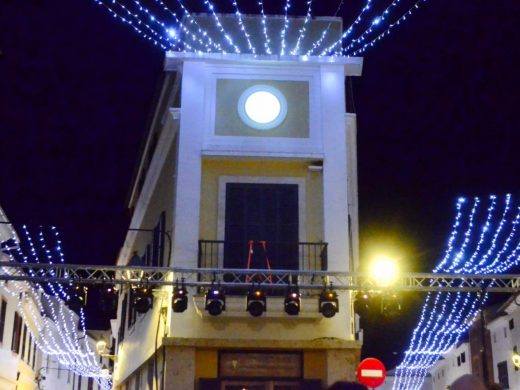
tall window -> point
(17, 333)
(24, 338)
(33, 364)
(29, 349)
(3, 309)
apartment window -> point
(463, 357)
(90, 384)
(17, 333)
(29, 349)
(458, 360)
(2, 319)
(512, 323)
(68, 376)
(505, 333)
(503, 378)
(24, 341)
(33, 365)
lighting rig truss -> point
(201, 277)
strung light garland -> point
(285, 26)
(53, 327)
(348, 31)
(385, 33)
(478, 243)
(243, 28)
(303, 29)
(316, 45)
(131, 24)
(172, 32)
(219, 25)
(267, 41)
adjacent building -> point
(28, 321)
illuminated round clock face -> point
(262, 107)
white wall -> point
(503, 341)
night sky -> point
(438, 106)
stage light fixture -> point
(142, 299)
(108, 299)
(256, 301)
(77, 298)
(179, 298)
(292, 302)
(362, 304)
(328, 303)
(215, 301)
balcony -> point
(298, 256)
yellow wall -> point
(212, 169)
(206, 363)
(26, 380)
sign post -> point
(371, 372)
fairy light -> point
(267, 41)
(348, 31)
(303, 29)
(325, 32)
(57, 334)
(202, 32)
(285, 26)
(385, 33)
(131, 24)
(173, 32)
(444, 320)
(219, 25)
(243, 27)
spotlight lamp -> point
(391, 304)
(292, 302)
(179, 298)
(328, 303)
(256, 301)
(108, 299)
(215, 301)
(362, 303)
(77, 297)
(142, 299)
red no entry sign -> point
(371, 372)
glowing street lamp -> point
(384, 270)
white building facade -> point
(236, 186)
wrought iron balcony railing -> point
(302, 256)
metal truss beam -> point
(203, 277)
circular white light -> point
(262, 107)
